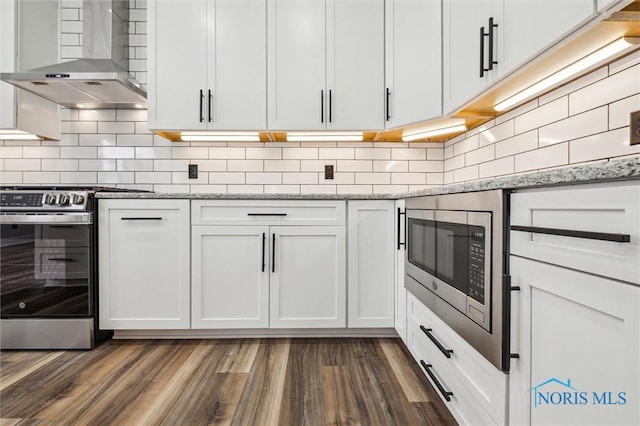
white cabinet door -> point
(296, 64)
(462, 22)
(530, 26)
(578, 337)
(238, 65)
(144, 264)
(400, 253)
(177, 64)
(371, 263)
(308, 277)
(355, 64)
(230, 277)
(413, 58)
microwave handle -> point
(602, 236)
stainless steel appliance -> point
(48, 273)
(454, 265)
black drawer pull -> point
(201, 106)
(61, 259)
(388, 112)
(445, 394)
(264, 237)
(273, 254)
(61, 226)
(140, 218)
(401, 213)
(209, 105)
(602, 236)
(266, 214)
(446, 352)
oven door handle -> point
(44, 219)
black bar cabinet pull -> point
(492, 26)
(61, 226)
(266, 214)
(329, 106)
(400, 213)
(201, 106)
(482, 69)
(388, 96)
(445, 394)
(445, 351)
(61, 259)
(273, 254)
(322, 106)
(210, 102)
(264, 237)
(602, 236)
(140, 218)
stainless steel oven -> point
(47, 269)
(454, 265)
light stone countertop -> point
(618, 169)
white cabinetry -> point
(326, 64)
(487, 39)
(400, 254)
(207, 65)
(575, 319)
(144, 264)
(268, 264)
(413, 61)
(371, 263)
(472, 388)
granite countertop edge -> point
(602, 171)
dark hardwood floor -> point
(236, 382)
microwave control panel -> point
(476, 263)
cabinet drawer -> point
(485, 383)
(463, 405)
(603, 212)
(265, 212)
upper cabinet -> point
(326, 64)
(413, 56)
(487, 39)
(207, 65)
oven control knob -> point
(63, 200)
(77, 199)
(49, 199)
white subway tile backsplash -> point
(408, 178)
(336, 153)
(426, 166)
(116, 127)
(245, 165)
(71, 51)
(131, 115)
(300, 178)
(98, 139)
(510, 115)
(577, 126)
(225, 153)
(551, 156)
(226, 178)
(435, 153)
(68, 14)
(191, 153)
(548, 113)
(489, 124)
(496, 133)
(448, 152)
(392, 166)
(103, 165)
(354, 189)
(481, 155)
(134, 140)
(245, 189)
(10, 152)
(281, 189)
(264, 178)
(11, 177)
(40, 178)
(389, 189)
(340, 178)
(619, 111)
(79, 178)
(373, 178)
(614, 143)
(466, 173)
(435, 179)
(70, 39)
(134, 165)
(110, 178)
(408, 154)
(605, 91)
(466, 145)
(318, 189)
(116, 152)
(183, 178)
(18, 164)
(354, 166)
(153, 177)
(447, 178)
(281, 165)
(209, 165)
(96, 114)
(79, 127)
(373, 153)
(517, 144)
(172, 189)
(454, 163)
(300, 154)
(502, 166)
(155, 152)
(263, 153)
(208, 189)
(58, 165)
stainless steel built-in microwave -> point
(454, 266)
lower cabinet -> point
(144, 259)
(371, 263)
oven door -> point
(47, 266)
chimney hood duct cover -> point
(99, 80)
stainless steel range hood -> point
(101, 78)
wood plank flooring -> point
(227, 382)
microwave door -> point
(452, 245)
